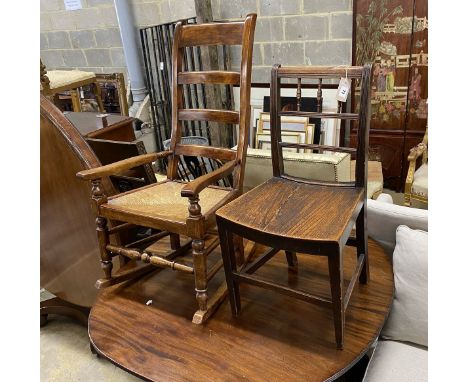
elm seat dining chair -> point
(184, 208)
(300, 215)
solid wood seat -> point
(288, 210)
(300, 215)
(161, 203)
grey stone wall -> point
(89, 38)
(290, 32)
(293, 32)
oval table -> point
(275, 338)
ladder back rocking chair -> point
(300, 215)
(183, 208)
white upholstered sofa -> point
(401, 353)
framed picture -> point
(290, 103)
(113, 92)
(297, 124)
(264, 140)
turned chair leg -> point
(229, 261)
(361, 244)
(199, 262)
(336, 285)
(97, 94)
(76, 101)
(291, 258)
(103, 239)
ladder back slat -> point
(223, 116)
(320, 72)
(209, 77)
(206, 151)
(212, 34)
(313, 114)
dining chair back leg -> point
(336, 285)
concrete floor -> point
(66, 356)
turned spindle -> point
(298, 94)
(319, 96)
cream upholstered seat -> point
(57, 81)
(323, 167)
(420, 181)
(60, 78)
(336, 167)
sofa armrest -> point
(385, 198)
(384, 218)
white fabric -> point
(385, 198)
(397, 362)
(408, 317)
(384, 218)
(59, 78)
(420, 181)
(373, 188)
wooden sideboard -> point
(90, 125)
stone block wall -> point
(290, 32)
(293, 32)
(89, 38)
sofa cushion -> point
(395, 361)
(383, 219)
(408, 317)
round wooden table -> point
(275, 338)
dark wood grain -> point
(299, 215)
(274, 339)
(294, 210)
(212, 34)
(320, 72)
(226, 116)
(209, 77)
(313, 114)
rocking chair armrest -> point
(196, 186)
(120, 166)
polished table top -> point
(89, 122)
(275, 338)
